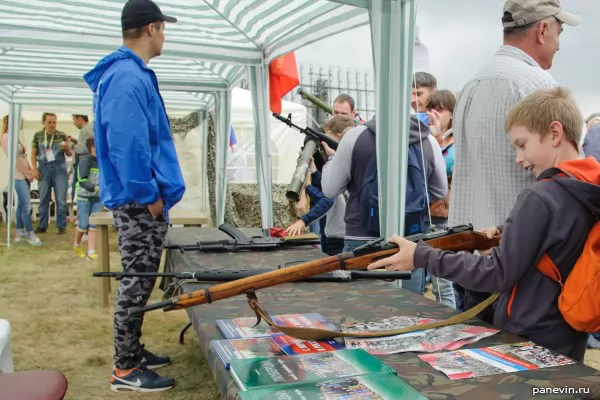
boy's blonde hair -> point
(339, 124)
(542, 107)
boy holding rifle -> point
(544, 129)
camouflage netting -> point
(182, 126)
(243, 205)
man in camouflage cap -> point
(526, 12)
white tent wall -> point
(189, 151)
(284, 142)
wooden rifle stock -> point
(461, 238)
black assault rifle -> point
(240, 241)
(309, 132)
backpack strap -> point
(552, 172)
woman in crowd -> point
(23, 177)
(440, 108)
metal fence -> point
(328, 82)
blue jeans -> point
(23, 205)
(85, 208)
(443, 291)
(54, 176)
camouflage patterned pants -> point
(141, 241)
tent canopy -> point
(222, 37)
(48, 45)
(230, 31)
(53, 43)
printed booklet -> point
(371, 387)
(263, 372)
(269, 346)
(243, 327)
(449, 337)
(472, 363)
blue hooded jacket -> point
(136, 153)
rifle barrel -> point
(461, 238)
(150, 307)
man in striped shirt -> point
(486, 179)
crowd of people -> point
(487, 156)
(484, 150)
(54, 156)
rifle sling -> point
(321, 334)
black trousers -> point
(333, 246)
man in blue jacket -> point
(140, 179)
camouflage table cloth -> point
(360, 301)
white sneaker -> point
(21, 236)
(34, 240)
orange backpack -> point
(579, 300)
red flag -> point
(283, 77)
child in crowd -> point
(332, 209)
(88, 201)
(551, 217)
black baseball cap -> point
(139, 13)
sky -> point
(462, 35)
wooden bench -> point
(104, 219)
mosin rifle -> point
(242, 242)
(228, 275)
(459, 238)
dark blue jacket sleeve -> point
(316, 180)
(128, 137)
(320, 208)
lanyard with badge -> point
(48, 150)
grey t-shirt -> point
(84, 134)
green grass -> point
(50, 298)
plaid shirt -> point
(486, 180)
(39, 142)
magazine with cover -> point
(444, 338)
(472, 363)
(244, 327)
(401, 321)
(267, 372)
(269, 346)
(371, 387)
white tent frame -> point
(301, 23)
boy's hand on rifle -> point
(490, 232)
(402, 260)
